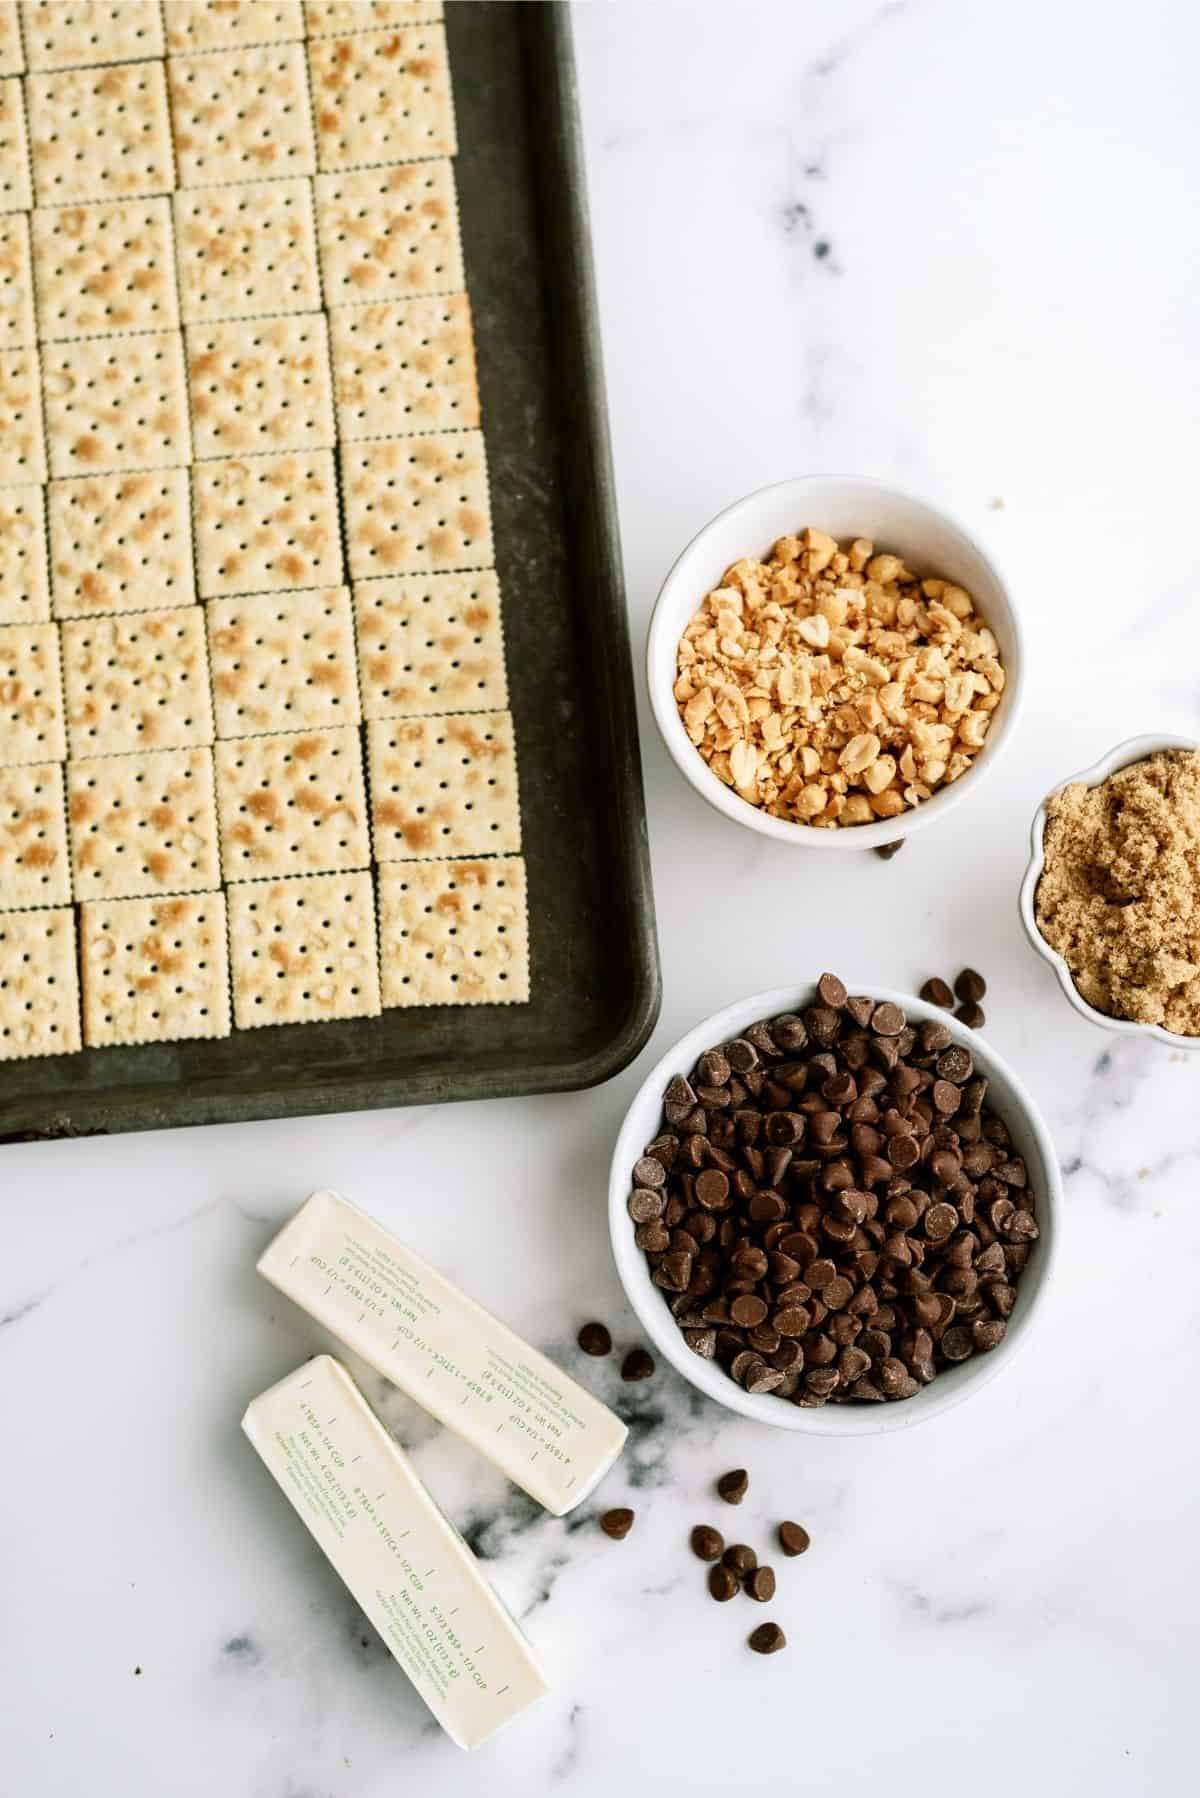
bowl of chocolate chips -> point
(834, 1210)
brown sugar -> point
(1119, 898)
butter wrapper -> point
(406, 1565)
(454, 1358)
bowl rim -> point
(1122, 755)
(710, 1379)
(699, 775)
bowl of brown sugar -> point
(1111, 896)
(833, 662)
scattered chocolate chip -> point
(793, 1538)
(741, 1558)
(768, 1638)
(885, 852)
(733, 1487)
(972, 1016)
(722, 1582)
(637, 1365)
(595, 1339)
(970, 987)
(936, 992)
(617, 1523)
(708, 1544)
(760, 1585)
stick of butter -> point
(408, 1567)
(441, 1348)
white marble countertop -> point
(957, 246)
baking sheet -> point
(595, 989)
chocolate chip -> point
(741, 1055)
(595, 1339)
(768, 1638)
(945, 1097)
(790, 1033)
(887, 1019)
(708, 1544)
(957, 1343)
(733, 1487)
(643, 1205)
(762, 1378)
(649, 1171)
(674, 1272)
(713, 1069)
(748, 1310)
(940, 1222)
(723, 1583)
(711, 1189)
(791, 1320)
(955, 1064)
(970, 986)
(637, 1365)
(972, 1016)
(904, 1152)
(936, 992)
(760, 1585)
(654, 1237)
(617, 1523)
(793, 1538)
(765, 1338)
(741, 1558)
(832, 992)
(678, 1101)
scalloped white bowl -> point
(1134, 749)
(1030, 1137)
(928, 539)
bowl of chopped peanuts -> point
(834, 662)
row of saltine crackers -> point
(214, 293)
(420, 661)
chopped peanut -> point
(832, 686)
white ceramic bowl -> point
(1134, 749)
(928, 540)
(1030, 1138)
